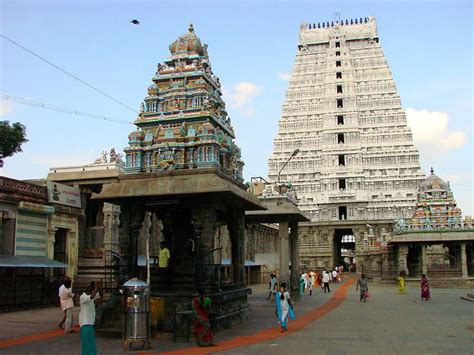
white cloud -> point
(284, 76)
(5, 107)
(431, 133)
(242, 95)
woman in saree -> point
(202, 327)
(302, 284)
(401, 283)
(284, 308)
(319, 279)
(425, 288)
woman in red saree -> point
(202, 327)
(425, 288)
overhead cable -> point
(66, 72)
(70, 111)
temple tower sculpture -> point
(183, 123)
(356, 160)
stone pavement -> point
(388, 323)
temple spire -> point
(432, 171)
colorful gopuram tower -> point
(436, 207)
(356, 163)
(183, 123)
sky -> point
(252, 47)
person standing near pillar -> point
(163, 263)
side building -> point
(38, 241)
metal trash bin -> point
(137, 310)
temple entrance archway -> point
(345, 249)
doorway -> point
(60, 251)
(344, 249)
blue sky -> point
(252, 46)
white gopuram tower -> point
(357, 168)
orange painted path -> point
(34, 337)
(272, 333)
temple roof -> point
(187, 44)
(433, 182)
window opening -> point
(341, 159)
(342, 213)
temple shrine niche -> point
(183, 123)
(436, 240)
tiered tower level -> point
(183, 123)
(342, 110)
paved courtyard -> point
(333, 323)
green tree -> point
(12, 136)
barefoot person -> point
(425, 288)
(363, 287)
(284, 308)
(202, 327)
(401, 283)
(66, 298)
(87, 318)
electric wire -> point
(70, 111)
(66, 72)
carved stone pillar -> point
(283, 236)
(136, 223)
(236, 226)
(464, 261)
(111, 227)
(402, 258)
(252, 241)
(72, 252)
(51, 239)
(295, 256)
(205, 223)
(424, 260)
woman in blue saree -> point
(284, 308)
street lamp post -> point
(296, 151)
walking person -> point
(425, 288)
(284, 308)
(310, 284)
(326, 281)
(334, 275)
(202, 326)
(66, 298)
(363, 287)
(272, 286)
(92, 293)
(401, 283)
(319, 279)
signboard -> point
(64, 194)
